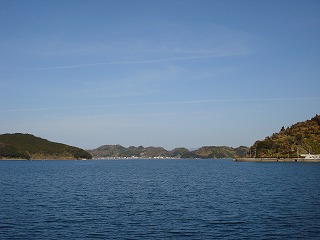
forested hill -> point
(27, 146)
(107, 151)
(221, 152)
(302, 137)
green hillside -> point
(221, 152)
(27, 146)
(302, 137)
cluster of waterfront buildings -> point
(302, 158)
(134, 157)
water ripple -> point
(201, 199)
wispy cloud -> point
(169, 42)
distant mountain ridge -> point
(27, 146)
(300, 138)
(290, 142)
(109, 151)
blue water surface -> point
(159, 199)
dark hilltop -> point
(27, 146)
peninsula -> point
(297, 143)
(27, 146)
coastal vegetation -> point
(300, 138)
(27, 146)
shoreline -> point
(302, 160)
(40, 159)
(275, 160)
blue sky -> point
(162, 73)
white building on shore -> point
(310, 156)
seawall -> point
(275, 160)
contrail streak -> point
(126, 62)
(203, 101)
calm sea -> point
(159, 199)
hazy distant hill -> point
(302, 137)
(132, 151)
(151, 152)
(27, 146)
